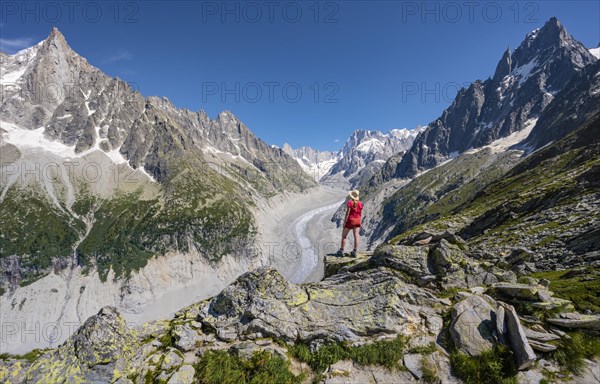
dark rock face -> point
(577, 103)
(522, 87)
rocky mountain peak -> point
(504, 66)
(524, 83)
(544, 43)
(56, 45)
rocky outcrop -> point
(367, 300)
(440, 260)
(473, 325)
(479, 322)
(576, 320)
(96, 353)
(350, 306)
(515, 337)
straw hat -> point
(354, 195)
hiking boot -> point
(340, 253)
(354, 253)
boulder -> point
(410, 260)
(501, 324)
(473, 325)
(542, 347)
(187, 337)
(554, 303)
(515, 336)
(184, 375)
(540, 336)
(333, 264)
(527, 280)
(517, 291)
(172, 359)
(576, 320)
(347, 306)
(444, 257)
(103, 344)
(412, 362)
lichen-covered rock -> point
(445, 257)
(184, 375)
(95, 353)
(473, 325)
(410, 260)
(347, 306)
(171, 360)
(576, 320)
(518, 291)
(187, 337)
(515, 336)
(13, 371)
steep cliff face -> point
(578, 102)
(523, 85)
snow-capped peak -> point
(13, 67)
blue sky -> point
(303, 72)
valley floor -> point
(296, 231)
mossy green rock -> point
(95, 353)
(346, 306)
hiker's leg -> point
(355, 232)
(344, 234)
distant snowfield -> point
(595, 52)
(35, 139)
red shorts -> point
(351, 224)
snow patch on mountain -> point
(368, 150)
(13, 67)
(36, 140)
(595, 52)
(313, 162)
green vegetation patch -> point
(581, 286)
(574, 349)
(29, 356)
(36, 230)
(495, 366)
(386, 353)
(190, 216)
(221, 367)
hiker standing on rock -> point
(352, 222)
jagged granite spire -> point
(504, 66)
